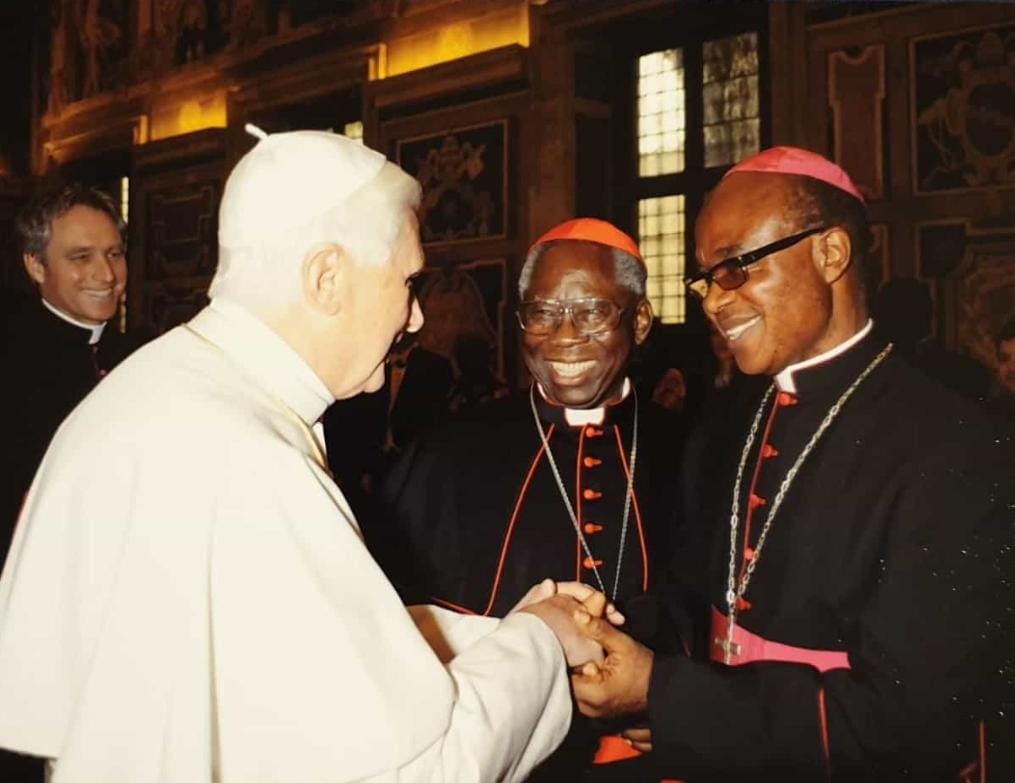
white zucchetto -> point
(288, 179)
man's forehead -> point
(742, 210)
(578, 253)
(80, 216)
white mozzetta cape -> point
(188, 599)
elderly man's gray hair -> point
(366, 226)
(629, 272)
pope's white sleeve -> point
(320, 673)
(449, 633)
(512, 703)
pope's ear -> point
(643, 319)
(834, 252)
(35, 268)
(324, 277)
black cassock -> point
(889, 568)
(474, 517)
(49, 368)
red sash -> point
(749, 647)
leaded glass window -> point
(732, 122)
(696, 99)
(661, 238)
(661, 130)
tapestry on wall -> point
(964, 110)
(463, 173)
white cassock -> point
(188, 599)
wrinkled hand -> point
(558, 611)
(640, 738)
(538, 592)
(591, 597)
(577, 590)
(619, 685)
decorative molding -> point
(182, 231)
(856, 94)
(972, 265)
(507, 64)
(985, 299)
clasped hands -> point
(610, 671)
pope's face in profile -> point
(383, 308)
(574, 369)
(83, 270)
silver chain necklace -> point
(567, 500)
(734, 591)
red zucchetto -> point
(590, 230)
(793, 160)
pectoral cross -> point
(729, 648)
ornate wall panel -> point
(963, 96)
(985, 299)
(464, 176)
(181, 228)
(973, 267)
(182, 224)
(856, 93)
(463, 130)
(176, 187)
(921, 111)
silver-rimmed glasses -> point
(590, 316)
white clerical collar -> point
(269, 359)
(784, 380)
(579, 417)
(96, 331)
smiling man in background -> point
(57, 347)
(570, 480)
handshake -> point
(610, 671)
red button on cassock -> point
(786, 399)
(591, 462)
(589, 563)
(591, 494)
(591, 527)
(768, 451)
(592, 432)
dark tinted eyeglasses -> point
(589, 316)
(732, 273)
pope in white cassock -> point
(187, 598)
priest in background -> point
(188, 598)
(58, 346)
